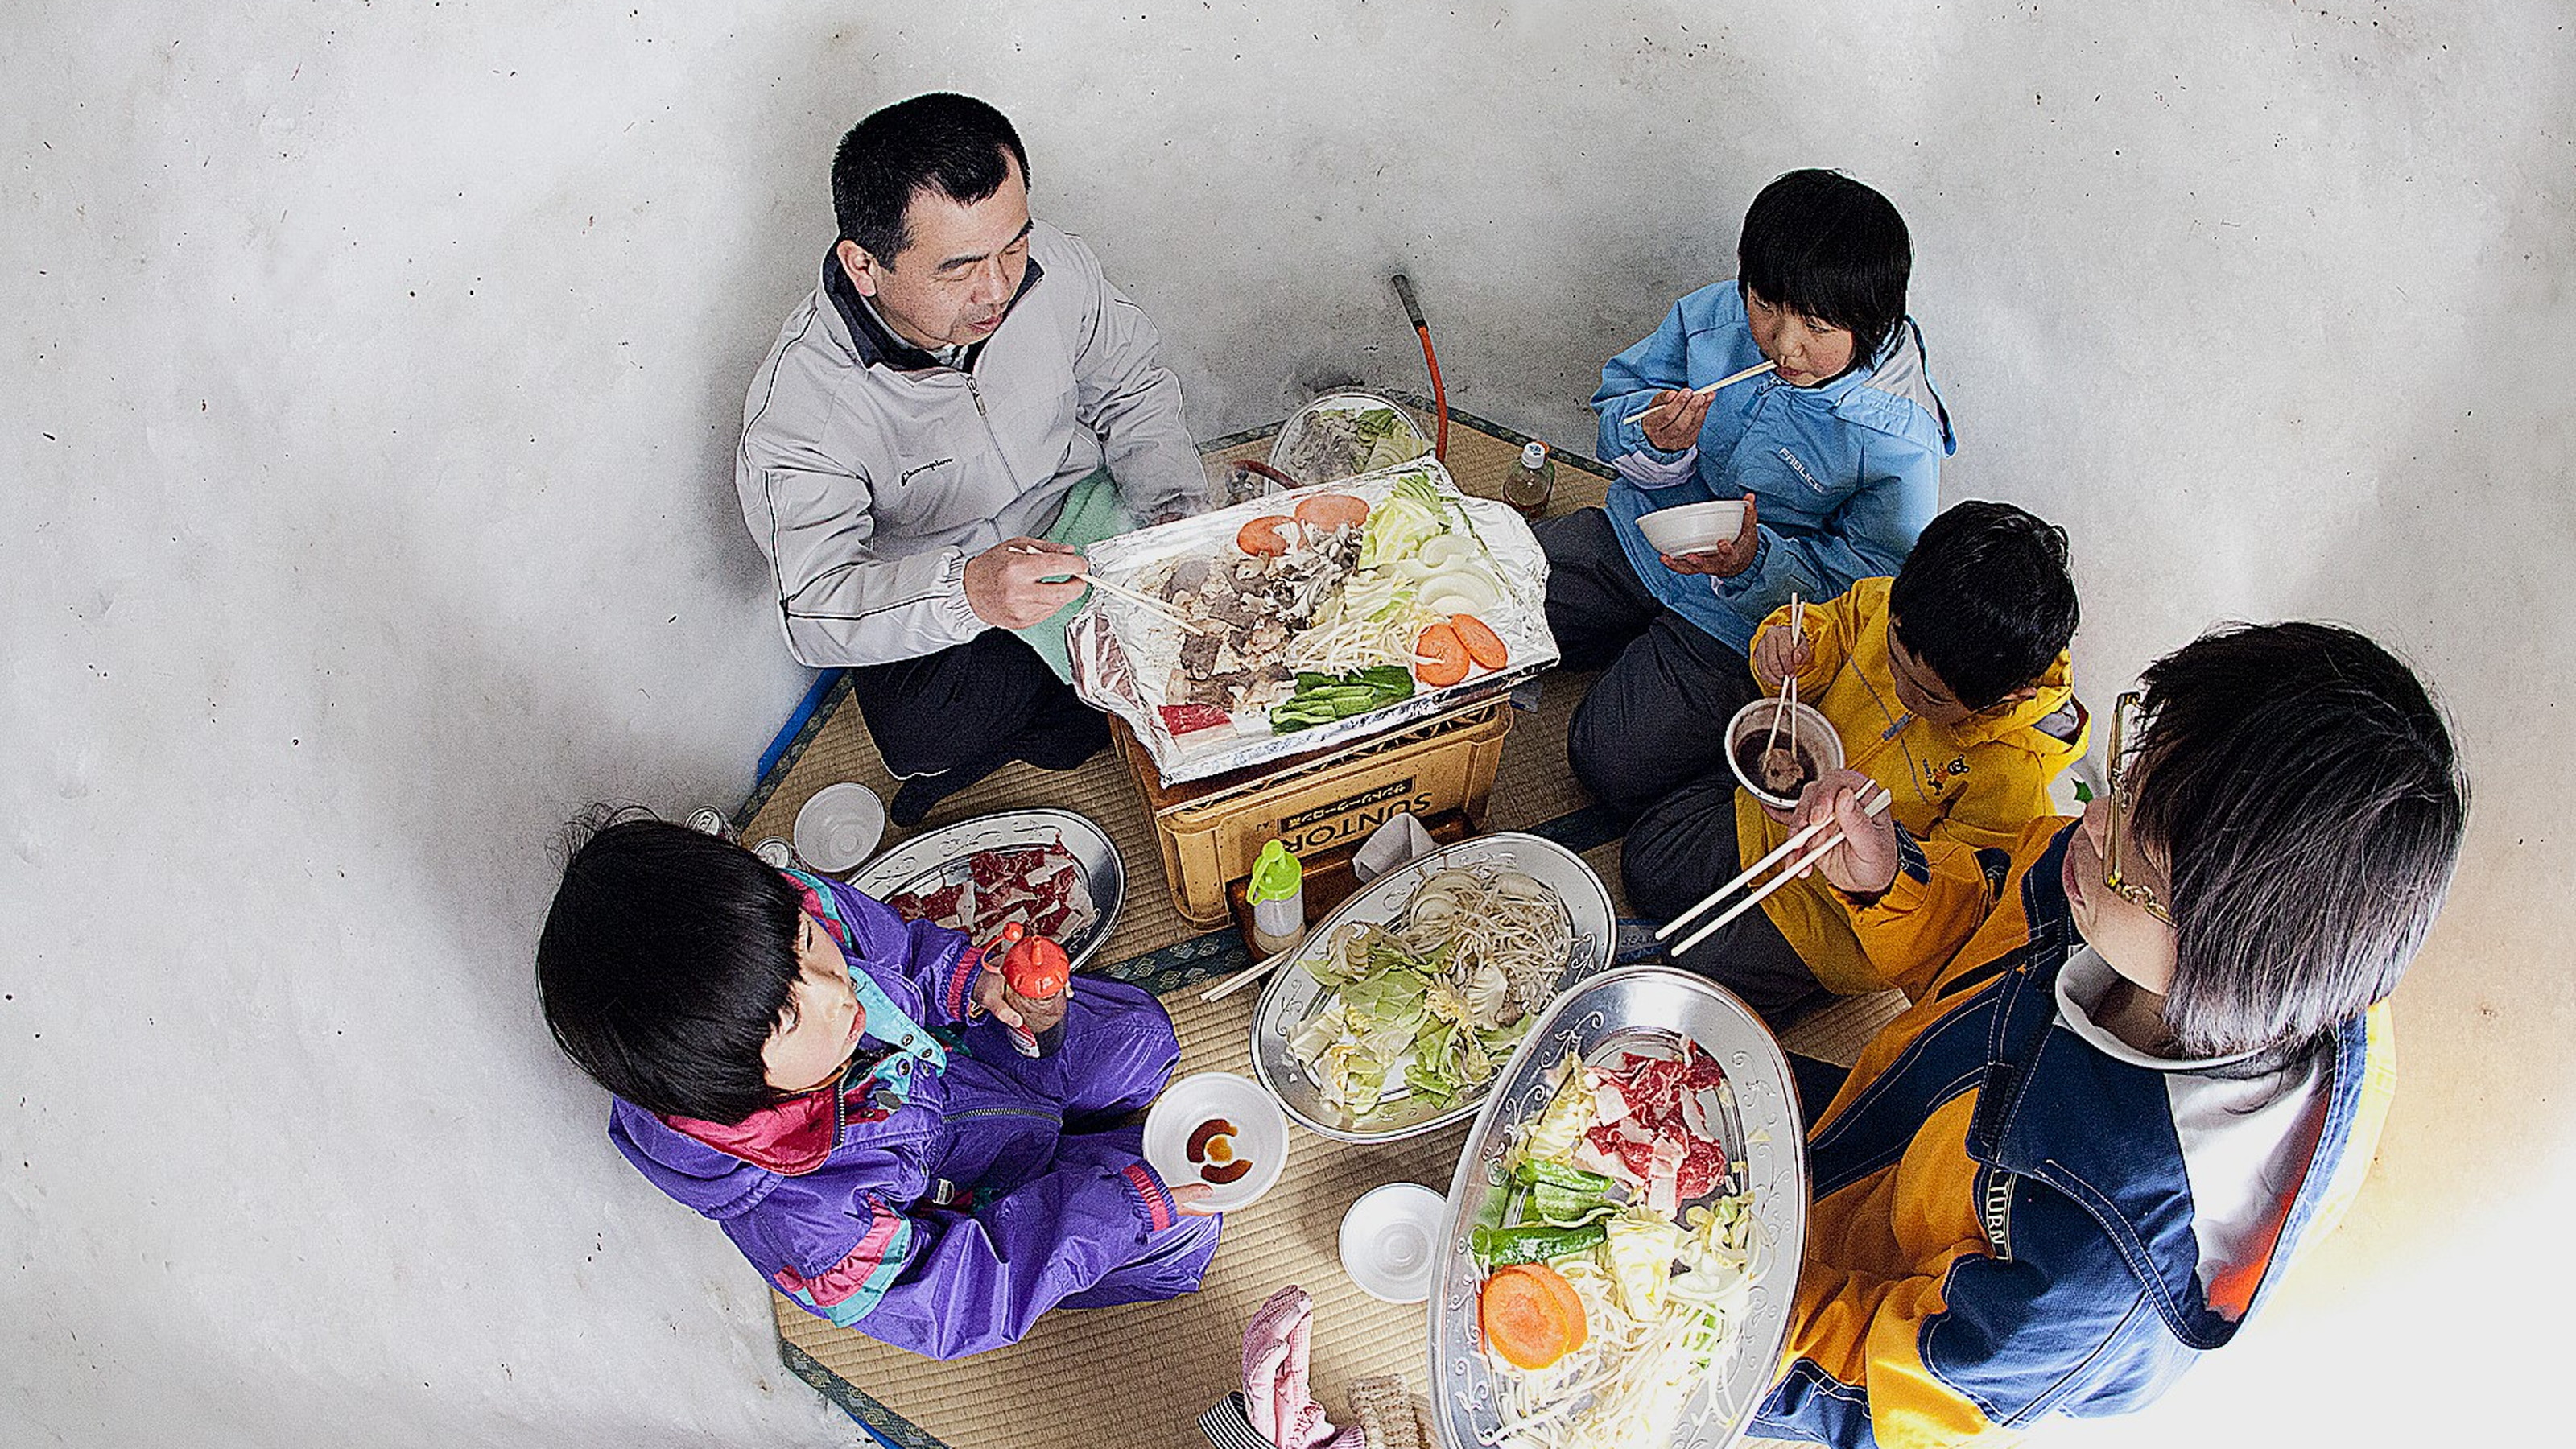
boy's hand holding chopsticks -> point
(1677, 407)
(1779, 655)
(1823, 810)
(1863, 863)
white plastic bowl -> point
(1693, 527)
(1812, 735)
(1260, 1134)
(839, 827)
(1387, 1241)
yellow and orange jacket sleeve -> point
(1943, 893)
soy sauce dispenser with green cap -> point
(1278, 896)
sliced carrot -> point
(1524, 1311)
(1332, 510)
(1483, 644)
(1439, 657)
(1578, 1323)
(1266, 536)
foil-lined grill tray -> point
(1123, 652)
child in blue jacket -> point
(1837, 453)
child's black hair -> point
(664, 965)
(1827, 247)
(1985, 600)
(2303, 787)
(947, 144)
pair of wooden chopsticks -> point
(1665, 932)
(1245, 977)
(1756, 370)
(1789, 695)
(1138, 597)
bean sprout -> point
(1430, 1003)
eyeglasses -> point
(2123, 717)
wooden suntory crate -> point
(1210, 830)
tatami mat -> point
(1141, 1374)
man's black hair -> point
(1827, 247)
(950, 145)
(2303, 790)
(664, 965)
(1985, 600)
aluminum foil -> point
(1123, 652)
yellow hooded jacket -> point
(1978, 782)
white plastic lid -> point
(1389, 1241)
(1533, 455)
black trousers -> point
(1816, 1081)
(1656, 719)
(974, 707)
(1649, 742)
(1682, 848)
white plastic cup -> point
(838, 829)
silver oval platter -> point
(1648, 1010)
(940, 857)
(1294, 995)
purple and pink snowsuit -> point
(941, 1200)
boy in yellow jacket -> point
(1948, 684)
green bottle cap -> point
(1276, 875)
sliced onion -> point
(1447, 549)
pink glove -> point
(1274, 1377)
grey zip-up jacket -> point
(870, 472)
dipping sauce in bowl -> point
(1219, 1129)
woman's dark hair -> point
(664, 965)
(1827, 247)
(2304, 788)
(1985, 600)
(950, 144)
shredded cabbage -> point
(1430, 1004)
(1552, 1135)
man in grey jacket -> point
(926, 420)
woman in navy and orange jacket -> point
(2146, 1061)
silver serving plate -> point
(1294, 995)
(1293, 431)
(1764, 1133)
(938, 857)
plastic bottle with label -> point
(1531, 481)
(1278, 896)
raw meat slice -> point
(1701, 1166)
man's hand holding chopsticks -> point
(1006, 585)
(1864, 864)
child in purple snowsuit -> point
(768, 1036)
